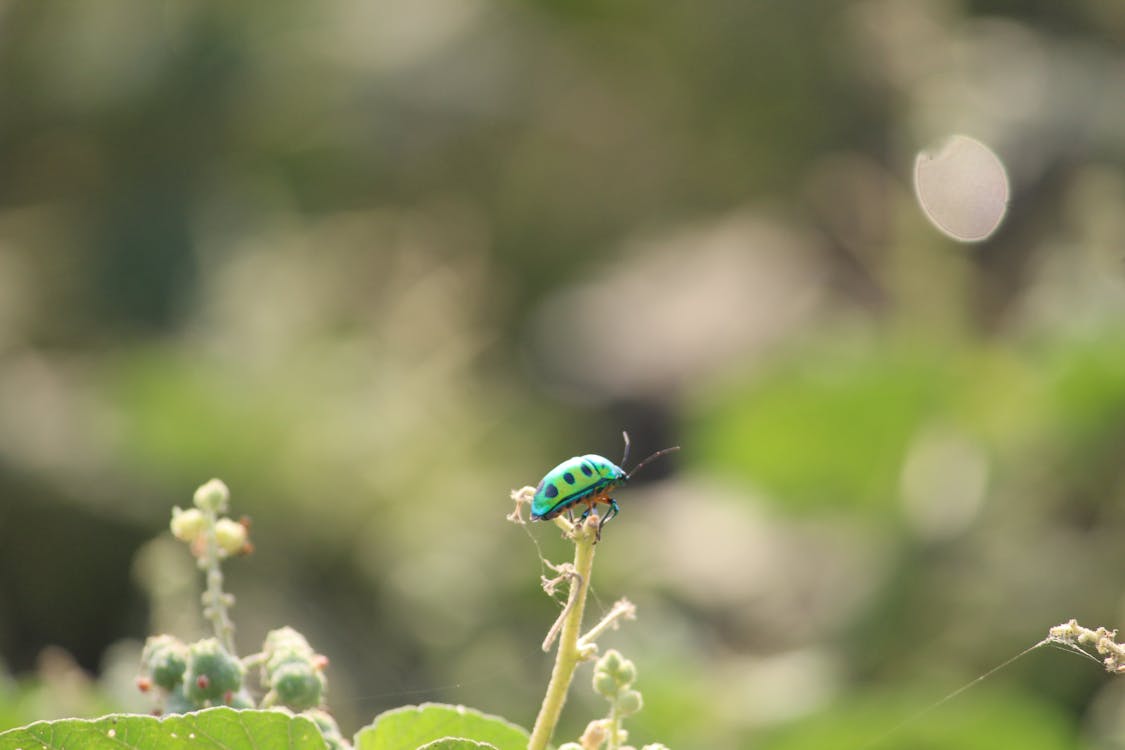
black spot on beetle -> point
(587, 470)
(552, 491)
(569, 478)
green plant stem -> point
(569, 654)
(614, 727)
(214, 600)
(622, 609)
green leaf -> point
(411, 727)
(214, 728)
(456, 743)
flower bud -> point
(597, 732)
(212, 672)
(285, 645)
(611, 662)
(285, 638)
(297, 685)
(187, 524)
(213, 496)
(164, 657)
(231, 536)
(629, 702)
(627, 674)
(604, 684)
(292, 671)
(620, 669)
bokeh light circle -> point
(962, 187)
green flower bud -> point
(604, 684)
(212, 672)
(213, 496)
(286, 640)
(188, 524)
(286, 645)
(292, 671)
(629, 702)
(279, 660)
(627, 674)
(622, 671)
(231, 536)
(610, 662)
(164, 657)
(297, 685)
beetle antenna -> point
(625, 456)
(651, 458)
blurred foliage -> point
(1004, 720)
(377, 264)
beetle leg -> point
(587, 512)
(613, 511)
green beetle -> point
(589, 479)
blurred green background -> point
(377, 264)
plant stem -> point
(214, 600)
(614, 728)
(623, 609)
(569, 654)
(1103, 641)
